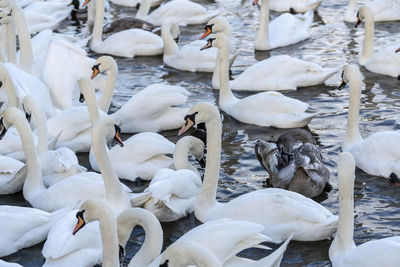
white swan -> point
(223, 238)
(22, 227)
(64, 249)
(284, 30)
(153, 109)
(181, 11)
(127, 43)
(343, 251)
(385, 61)
(9, 170)
(263, 109)
(63, 193)
(171, 193)
(299, 6)
(281, 212)
(56, 164)
(377, 154)
(383, 10)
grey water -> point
(333, 43)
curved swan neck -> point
(353, 132)
(262, 39)
(170, 46)
(180, 156)
(108, 92)
(40, 119)
(344, 236)
(144, 9)
(90, 99)
(8, 83)
(115, 194)
(25, 44)
(11, 43)
(33, 183)
(208, 192)
(368, 46)
(152, 245)
(98, 23)
(225, 93)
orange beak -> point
(255, 2)
(118, 139)
(357, 22)
(78, 225)
(189, 124)
(94, 73)
(85, 3)
(341, 85)
(397, 50)
(206, 33)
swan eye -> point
(96, 67)
(191, 117)
(80, 214)
(95, 71)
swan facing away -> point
(384, 61)
(171, 193)
(263, 109)
(296, 169)
(281, 212)
(377, 154)
(343, 252)
(284, 30)
(383, 10)
(218, 240)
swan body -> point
(281, 212)
(142, 155)
(127, 43)
(9, 168)
(376, 154)
(343, 251)
(181, 11)
(126, 24)
(385, 61)
(171, 193)
(9, 264)
(23, 227)
(134, 3)
(263, 109)
(304, 173)
(285, 30)
(299, 6)
(270, 74)
(383, 10)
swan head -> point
(349, 72)
(199, 113)
(10, 116)
(91, 210)
(397, 50)
(102, 65)
(267, 154)
(6, 17)
(194, 145)
(219, 40)
(214, 25)
(363, 12)
(30, 104)
(110, 129)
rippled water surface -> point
(332, 44)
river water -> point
(333, 43)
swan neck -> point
(115, 194)
(109, 239)
(262, 37)
(208, 192)
(368, 46)
(40, 119)
(153, 242)
(170, 46)
(98, 23)
(225, 93)
(90, 99)
(353, 132)
(11, 43)
(144, 9)
(8, 83)
(108, 92)
(25, 44)
(180, 157)
(33, 183)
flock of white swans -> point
(86, 217)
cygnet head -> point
(102, 65)
(349, 72)
(91, 210)
(215, 25)
(201, 112)
(219, 40)
(363, 12)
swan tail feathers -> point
(138, 200)
(232, 59)
(275, 258)
(18, 181)
(53, 142)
